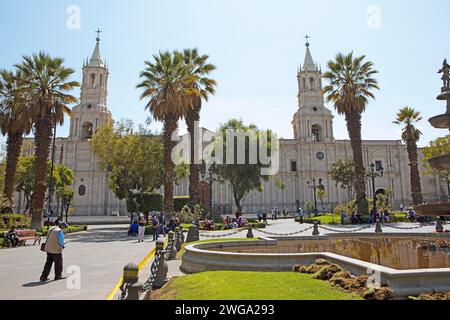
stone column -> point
(193, 234)
(178, 243)
(316, 231)
(173, 249)
(161, 277)
(131, 280)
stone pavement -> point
(290, 226)
(100, 254)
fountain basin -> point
(441, 122)
(262, 255)
(441, 163)
(433, 209)
(445, 95)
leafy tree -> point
(62, 177)
(438, 147)
(45, 81)
(383, 201)
(247, 176)
(350, 87)
(64, 195)
(343, 173)
(135, 162)
(411, 135)
(322, 194)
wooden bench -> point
(24, 236)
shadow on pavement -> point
(101, 235)
(34, 284)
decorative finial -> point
(445, 75)
(307, 40)
(98, 34)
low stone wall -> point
(202, 257)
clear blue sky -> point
(256, 45)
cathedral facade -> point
(91, 185)
(309, 155)
(313, 150)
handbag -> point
(43, 244)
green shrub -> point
(71, 229)
(257, 225)
(180, 202)
(20, 221)
(187, 216)
(342, 207)
(150, 202)
(148, 230)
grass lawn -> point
(236, 285)
(336, 219)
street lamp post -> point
(210, 179)
(373, 175)
(49, 205)
(314, 187)
(67, 210)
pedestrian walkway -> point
(287, 227)
(99, 254)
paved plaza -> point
(102, 252)
(287, 227)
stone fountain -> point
(441, 162)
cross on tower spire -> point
(98, 34)
(307, 40)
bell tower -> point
(92, 112)
(312, 122)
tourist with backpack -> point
(155, 225)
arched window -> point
(81, 190)
(304, 83)
(87, 131)
(312, 83)
(92, 80)
(316, 132)
(101, 80)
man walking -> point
(54, 246)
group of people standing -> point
(275, 213)
(158, 223)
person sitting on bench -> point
(12, 237)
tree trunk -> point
(43, 137)
(13, 148)
(416, 189)
(194, 173)
(353, 120)
(237, 201)
(170, 125)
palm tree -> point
(350, 86)
(14, 122)
(410, 135)
(169, 88)
(46, 82)
(199, 68)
